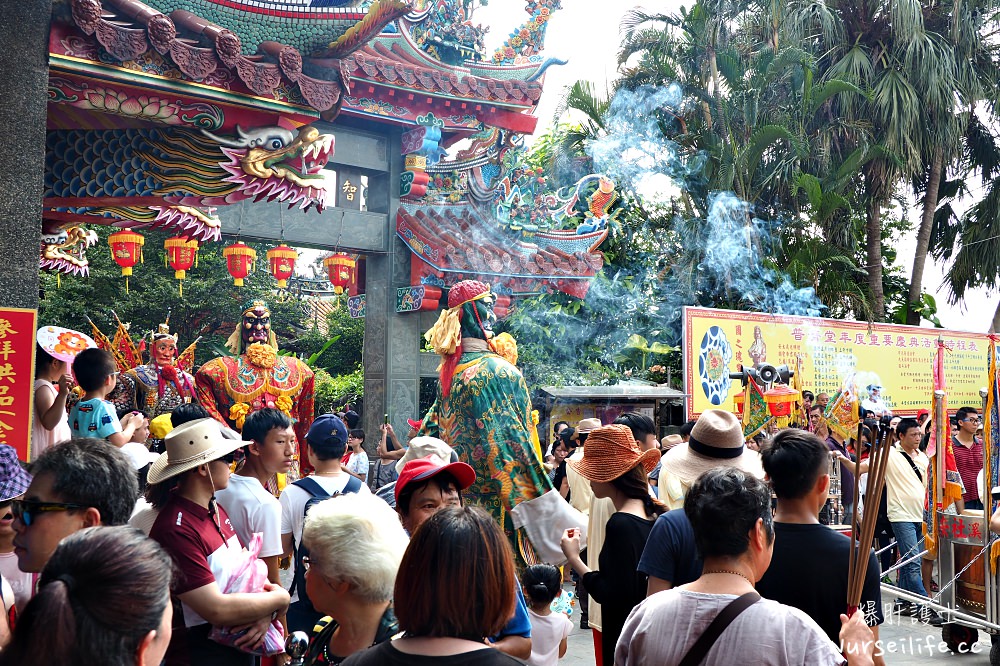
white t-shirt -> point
(905, 492)
(143, 516)
(22, 584)
(358, 463)
(252, 509)
(547, 632)
(293, 503)
(666, 625)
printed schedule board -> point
(897, 358)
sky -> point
(586, 33)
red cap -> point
(415, 423)
(425, 468)
(923, 412)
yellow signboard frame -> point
(897, 358)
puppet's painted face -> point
(256, 325)
(164, 351)
(484, 308)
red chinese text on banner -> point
(17, 366)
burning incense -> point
(878, 461)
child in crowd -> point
(52, 384)
(141, 433)
(542, 583)
(357, 460)
(94, 416)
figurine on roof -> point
(231, 387)
(161, 385)
(483, 409)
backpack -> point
(316, 494)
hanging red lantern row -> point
(126, 251)
(281, 263)
(239, 261)
(340, 268)
(182, 255)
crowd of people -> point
(112, 555)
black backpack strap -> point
(700, 649)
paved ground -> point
(906, 643)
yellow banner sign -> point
(899, 359)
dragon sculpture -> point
(64, 250)
(174, 179)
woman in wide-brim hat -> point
(716, 441)
(617, 469)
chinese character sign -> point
(898, 359)
(17, 366)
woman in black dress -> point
(616, 469)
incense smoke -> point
(694, 248)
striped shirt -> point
(970, 462)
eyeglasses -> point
(973, 419)
(27, 510)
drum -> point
(970, 588)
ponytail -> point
(634, 485)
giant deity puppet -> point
(158, 386)
(231, 387)
(161, 385)
(483, 409)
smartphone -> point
(386, 419)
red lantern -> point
(126, 250)
(340, 269)
(739, 399)
(281, 263)
(239, 261)
(182, 255)
(780, 399)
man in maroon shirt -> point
(968, 454)
(197, 534)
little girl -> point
(542, 583)
(51, 422)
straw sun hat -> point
(189, 445)
(716, 441)
(610, 452)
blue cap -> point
(326, 432)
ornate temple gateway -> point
(324, 123)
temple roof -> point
(458, 239)
(318, 57)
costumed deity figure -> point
(483, 409)
(161, 385)
(230, 387)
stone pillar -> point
(24, 72)
(392, 341)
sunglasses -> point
(27, 510)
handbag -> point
(700, 649)
(544, 519)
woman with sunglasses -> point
(198, 535)
(103, 598)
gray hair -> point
(356, 538)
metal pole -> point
(950, 613)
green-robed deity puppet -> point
(483, 409)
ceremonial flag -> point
(105, 343)
(991, 438)
(755, 413)
(842, 412)
(125, 348)
(945, 485)
(186, 360)
(797, 385)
